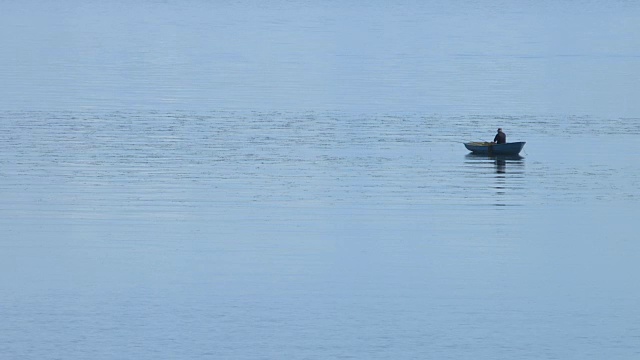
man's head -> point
(499, 129)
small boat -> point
(488, 148)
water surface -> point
(251, 180)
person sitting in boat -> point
(500, 138)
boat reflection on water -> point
(500, 161)
(502, 173)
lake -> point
(267, 180)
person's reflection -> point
(500, 163)
(507, 179)
(506, 183)
(501, 166)
(501, 180)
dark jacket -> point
(500, 138)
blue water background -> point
(477, 57)
(286, 179)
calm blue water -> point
(573, 57)
(269, 180)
